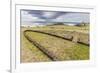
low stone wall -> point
(83, 38)
(41, 48)
(73, 36)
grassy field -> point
(29, 52)
(58, 48)
(71, 35)
(83, 29)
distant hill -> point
(82, 24)
(56, 24)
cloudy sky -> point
(37, 17)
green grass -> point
(80, 52)
(61, 49)
(30, 53)
(83, 29)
